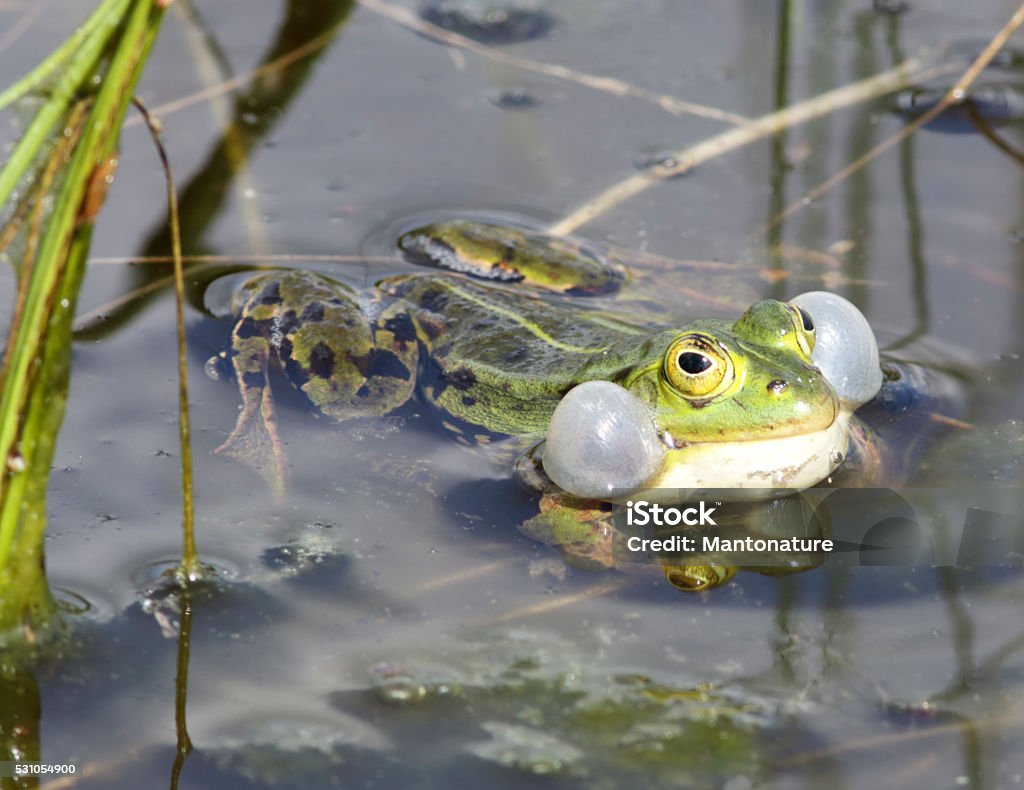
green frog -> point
(496, 335)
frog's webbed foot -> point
(580, 529)
(349, 356)
(255, 440)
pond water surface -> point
(386, 623)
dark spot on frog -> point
(515, 355)
(312, 313)
(431, 328)
(382, 362)
(288, 323)
(777, 386)
(321, 360)
(434, 301)
(461, 378)
(468, 401)
(219, 367)
(247, 327)
(293, 370)
(271, 294)
(401, 328)
(253, 380)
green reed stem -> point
(190, 568)
(34, 376)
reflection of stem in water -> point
(973, 759)
(963, 628)
(953, 96)
(777, 178)
(859, 197)
(211, 46)
(972, 673)
(256, 111)
(963, 646)
(783, 654)
(979, 122)
(213, 71)
(724, 142)
(915, 229)
(184, 743)
(19, 719)
(261, 106)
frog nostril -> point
(777, 386)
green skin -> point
(499, 359)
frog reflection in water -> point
(497, 360)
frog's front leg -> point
(581, 529)
(254, 440)
(352, 357)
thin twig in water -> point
(278, 64)
(227, 260)
(560, 602)
(206, 263)
(84, 320)
(25, 21)
(190, 567)
(463, 576)
(954, 95)
(1005, 723)
(730, 140)
(990, 134)
(610, 85)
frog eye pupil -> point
(806, 318)
(692, 363)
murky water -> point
(387, 623)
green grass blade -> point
(34, 378)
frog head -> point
(733, 405)
(746, 381)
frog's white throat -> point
(602, 443)
(757, 469)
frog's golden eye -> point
(697, 367)
(803, 327)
